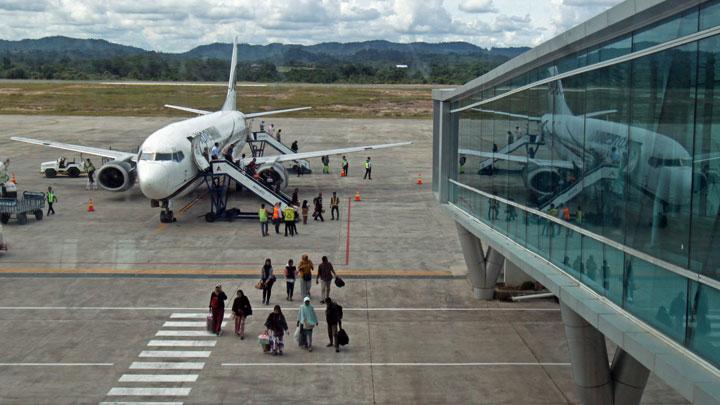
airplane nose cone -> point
(153, 181)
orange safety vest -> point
(276, 213)
(566, 214)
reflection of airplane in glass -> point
(595, 149)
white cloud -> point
(179, 25)
(478, 6)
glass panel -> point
(710, 15)
(675, 27)
(656, 296)
(705, 237)
(657, 207)
(704, 310)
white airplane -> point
(170, 161)
(658, 165)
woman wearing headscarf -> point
(217, 308)
(268, 279)
(241, 309)
(307, 320)
(276, 326)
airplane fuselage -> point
(173, 155)
(657, 164)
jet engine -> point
(543, 180)
(116, 176)
(277, 172)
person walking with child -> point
(277, 327)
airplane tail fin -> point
(557, 95)
(230, 100)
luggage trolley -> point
(32, 203)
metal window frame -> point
(601, 239)
(697, 36)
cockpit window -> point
(179, 156)
(161, 156)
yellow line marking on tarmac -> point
(222, 272)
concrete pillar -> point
(629, 378)
(514, 276)
(483, 270)
(588, 355)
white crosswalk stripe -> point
(149, 392)
(187, 324)
(162, 365)
(141, 403)
(174, 353)
(185, 333)
(194, 315)
(158, 378)
(186, 343)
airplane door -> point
(199, 145)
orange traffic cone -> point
(91, 206)
(357, 196)
(419, 180)
(342, 173)
(13, 180)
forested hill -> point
(332, 62)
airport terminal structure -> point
(592, 163)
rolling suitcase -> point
(210, 324)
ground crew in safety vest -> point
(277, 217)
(51, 199)
(345, 165)
(335, 207)
(326, 164)
(289, 220)
(263, 215)
(368, 169)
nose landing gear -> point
(166, 215)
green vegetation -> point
(328, 101)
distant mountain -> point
(91, 48)
(66, 58)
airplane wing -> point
(264, 113)
(706, 157)
(507, 114)
(599, 113)
(564, 164)
(188, 109)
(112, 154)
(321, 153)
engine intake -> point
(543, 180)
(277, 172)
(116, 176)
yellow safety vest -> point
(263, 215)
(289, 214)
(367, 164)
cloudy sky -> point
(179, 25)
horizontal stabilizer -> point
(188, 109)
(108, 153)
(262, 114)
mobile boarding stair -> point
(603, 172)
(258, 141)
(218, 180)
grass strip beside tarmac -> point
(104, 99)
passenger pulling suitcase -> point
(210, 324)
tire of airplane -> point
(50, 173)
(73, 172)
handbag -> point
(260, 285)
(339, 282)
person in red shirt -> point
(217, 308)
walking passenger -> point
(268, 279)
(290, 274)
(317, 213)
(241, 309)
(334, 206)
(263, 215)
(305, 269)
(215, 151)
(289, 215)
(228, 153)
(276, 217)
(333, 316)
(368, 169)
(276, 326)
(305, 211)
(326, 273)
(294, 147)
(217, 308)
(278, 136)
(295, 199)
(51, 199)
(307, 321)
